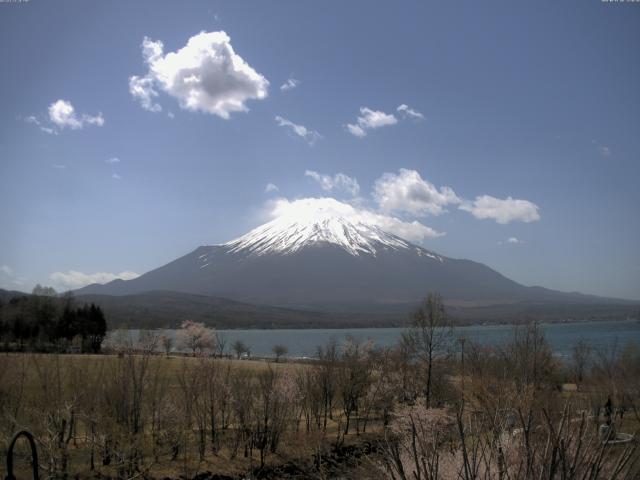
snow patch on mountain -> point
(319, 222)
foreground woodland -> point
(435, 406)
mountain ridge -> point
(327, 255)
(325, 274)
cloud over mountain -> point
(308, 207)
(74, 279)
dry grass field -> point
(151, 411)
(355, 412)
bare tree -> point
(328, 359)
(354, 379)
(279, 351)
(274, 393)
(221, 344)
(123, 401)
(530, 355)
(429, 335)
(167, 344)
(239, 348)
(580, 357)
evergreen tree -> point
(95, 329)
(67, 324)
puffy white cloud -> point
(305, 207)
(63, 115)
(115, 176)
(112, 160)
(502, 210)
(356, 130)
(58, 166)
(301, 131)
(271, 187)
(408, 112)
(339, 181)
(142, 89)
(370, 119)
(6, 269)
(74, 279)
(408, 192)
(205, 75)
(290, 84)
(413, 231)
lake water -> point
(561, 336)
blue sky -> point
(530, 117)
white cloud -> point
(356, 130)
(339, 181)
(604, 150)
(271, 187)
(142, 89)
(290, 84)
(8, 278)
(74, 279)
(301, 131)
(58, 166)
(32, 119)
(408, 112)
(115, 176)
(502, 211)
(413, 231)
(112, 160)
(368, 120)
(205, 75)
(63, 115)
(408, 192)
(511, 240)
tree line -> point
(44, 321)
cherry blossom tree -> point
(196, 337)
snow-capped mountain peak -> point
(326, 221)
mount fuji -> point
(328, 255)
